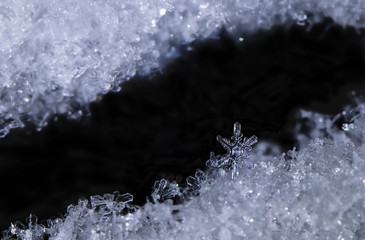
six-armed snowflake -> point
(237, 152)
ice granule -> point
(58, 56)
(316, 192)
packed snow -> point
(58, 56)
(315, 192)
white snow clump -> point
(58, 56)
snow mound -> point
(316, 192)
(58, 56)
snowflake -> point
(214, 161)
(287, 160)
(109, 203)
(32, 231)
(237, 152)
(163, 190)
(196, 181)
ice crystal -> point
(57, 56)
(195, 182)
(237, 152)
(293, 154)
(110, 203)
(214, 161)
(286, 160)
(32, 231)
(163, 190)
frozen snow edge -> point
(317, 192)
(57, 57)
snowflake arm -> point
(249, 142)
(226, 143)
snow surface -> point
(58, 56)
(317, 192)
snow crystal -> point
(57, 56)
(321, 195)
(237, 155)
(163, 190)
(196, 181)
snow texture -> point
(316, 192)
(58, 56)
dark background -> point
(164, 125)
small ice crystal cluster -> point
(58, 56)
(316, 192)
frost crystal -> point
(110, 203)
(33, 231)
(286, 160)
(196, 181)
(58, 56)
(237, 152)
(163, 190)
